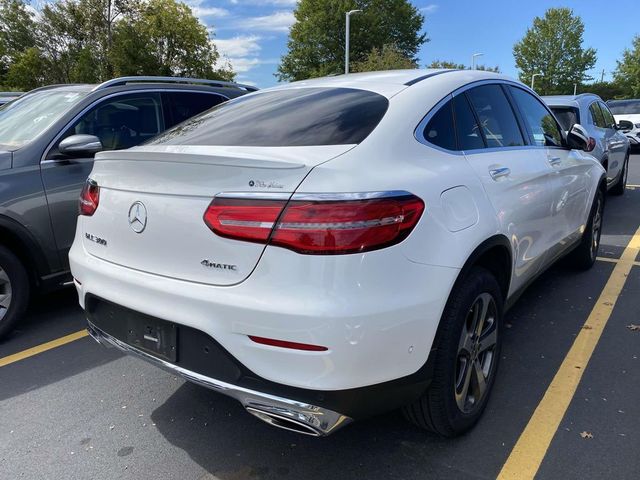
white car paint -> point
(377, 312)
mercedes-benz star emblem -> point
(138, 217)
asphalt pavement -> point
(81, 411)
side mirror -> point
(80, 146)
(579, 139)
(625, 125)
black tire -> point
(14, 291)
(439, 409)
(621, 184)
(584, 255)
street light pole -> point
(473, 60)
(533, 78)
(346, 44)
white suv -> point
(335, 248)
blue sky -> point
(253, 33)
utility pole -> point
(346, 43)
(473, 60)
(602, 76)
(575, 89)
(533, 78)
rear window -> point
(567, 116)
(624, 107)
(292, 117)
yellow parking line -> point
(614, 260)
(531, 448)
(30, 352)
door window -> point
(496, 117)
(609, 121)
(596, 115)
(439, 131)
(469, 135)
(543, 128)
(184, 105)
(121, 122)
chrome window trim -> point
(43, 158)
(418, 132)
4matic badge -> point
(263, 184)
(218, 266)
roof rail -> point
(116, 82)
(57, 85)
(10, 94)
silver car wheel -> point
(476, 349)
(596, 227)
(5, 293)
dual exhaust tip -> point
(284, 422)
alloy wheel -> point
(476, 350)
(5, 293)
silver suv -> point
(607, 143)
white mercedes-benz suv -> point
(331, 249)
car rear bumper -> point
(278, 411)
(377, 316)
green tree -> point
(29, 70)
(317, 39)
(16, 33)
(165, 39)
(553, 47)
(387, 58)
(460, 66)
(627, 74)
(606, 90)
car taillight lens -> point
(319, 224)
(89, 198)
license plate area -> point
(157, 338)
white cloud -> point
(241, 46)
(276, 22)
(429, 9)
(202, 11)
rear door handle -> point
(497, 173)
(553, 161)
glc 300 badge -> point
(218, 266)
(138, 217)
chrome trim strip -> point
(318, 197)
(255, 195)
(316, 419)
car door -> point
(568, 185)
(515, 176)
(615, 142)
(120, 122)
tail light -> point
(318, 224)
(89, 198)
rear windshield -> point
(567, 116)
(291, 117)
(624, 107)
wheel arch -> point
(17, 238)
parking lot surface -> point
(73, 409)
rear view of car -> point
(336, 248)
(627, 113)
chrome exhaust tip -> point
(283, 422)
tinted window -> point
(291, 117)
(469, 136)
(567, 116)
(184, 105)
(121, 122)
(609, 121)
(496, 117)
(543, 128)
(624, 107)
(439, 131)
(596, 115)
